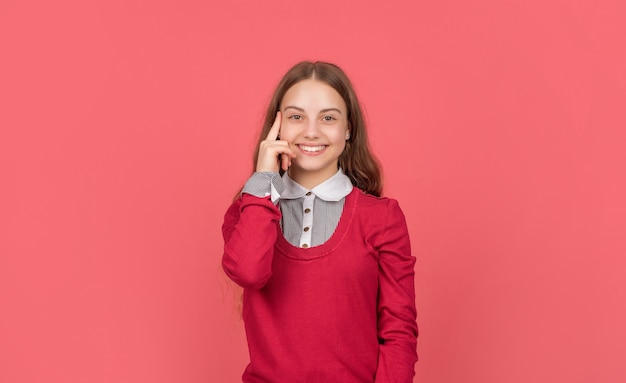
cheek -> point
(288, 131)
(338, 136)
(343, 147)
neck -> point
(310, 180)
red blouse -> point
(343, 311)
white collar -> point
(335, 188)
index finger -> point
(275, 129)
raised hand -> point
(272, 152)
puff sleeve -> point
(249, 232)
(397, 327)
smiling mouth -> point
(312, 149)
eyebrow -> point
(321, 111)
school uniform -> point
(328, 280)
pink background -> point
(127, 126)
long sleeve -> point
(263, 184)
(249, 232)
(397, 327)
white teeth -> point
(312, 148)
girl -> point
(324, 261)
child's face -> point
(314, 123)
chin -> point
(314, 169)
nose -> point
(312, 129)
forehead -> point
(313, 94)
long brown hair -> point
(357, 160)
